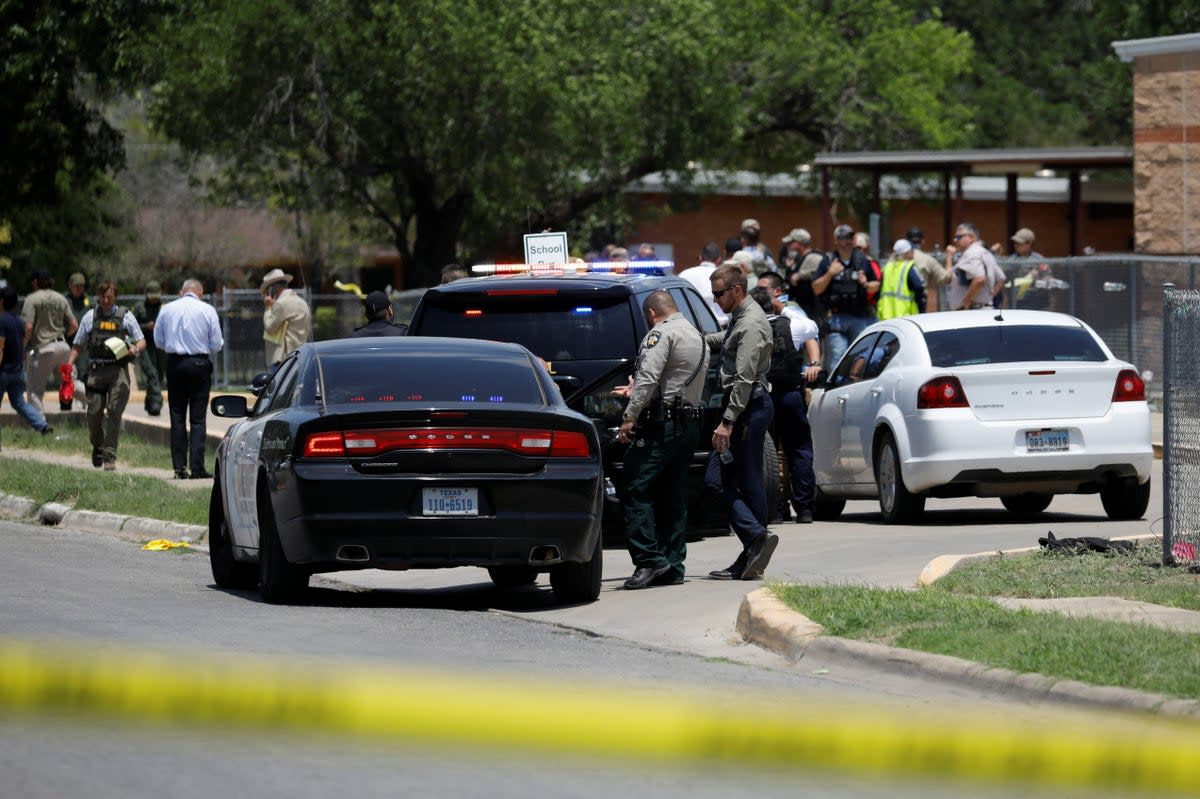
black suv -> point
(587, 328)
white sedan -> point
(1019, 405)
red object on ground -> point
(1183, 552)
(66, 389)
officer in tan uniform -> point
(661, 423)
(735, 468)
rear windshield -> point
(424, 378)
(554, 328)
(1011, 344)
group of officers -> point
(661, 424)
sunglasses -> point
(721, 293)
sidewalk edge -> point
(942, 565)
(130, 528)
(764, 620)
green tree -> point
(461, 124)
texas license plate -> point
(1047, 440)
(450, 501)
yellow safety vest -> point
(895, 297)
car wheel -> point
(1027, 503)
(772, 477)
(827, 508)
(512, 576)
(576, 583)
(895, 501)
(227, 573)
(279, 582)
(1126, 499)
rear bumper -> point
(323, 508)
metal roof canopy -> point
(957, 163)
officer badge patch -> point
(652, 339)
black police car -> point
(587, 327)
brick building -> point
(1166, 142)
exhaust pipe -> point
(353, 552)
(547, 554)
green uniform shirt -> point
(745, 349)
(670, 355)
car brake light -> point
(1130, 387)
(942, 392)
(324, 445)
(367, 443)
(521, 292)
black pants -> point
(189, 380)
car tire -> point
(772, 478)
(279, 582)
(578, 583)
(1027, 503)
(512, 576)
(897, 504)
(825, 507)
(1125, 500)
(227, 573)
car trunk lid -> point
(1051, 390)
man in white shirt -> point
(977, 276)
(699, 275)
(189, 332)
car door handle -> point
(842, 400)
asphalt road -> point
(98, 593)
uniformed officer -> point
(735, 467)
(661, 423)
(378, 309)
(152, 365)
(107, 378)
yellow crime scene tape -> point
(587, 718)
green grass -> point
(1049, 575)
(95, 490)
(948, 623)
(72, 439)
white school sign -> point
(546, 248)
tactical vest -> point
(895, 297)
(104, 328)
(846, 295)
(787, 363)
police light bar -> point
(577, 268)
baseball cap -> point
(915, 235)
(154, 290)
(902, 246)
(375, 302)
(843, 232)
(750, 224)
(1023, 236)
(798, 234)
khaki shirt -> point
(50, 314)
(286, 325)
(933, 274)
(670, 355)
(745, 349)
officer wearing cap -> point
(378, 309)
(933, 274)
(81, 303)
(662, 420)
(151, 364)
(112, 338)
(735, 467)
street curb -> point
(942, 565)
(764, 620)
(130, 528)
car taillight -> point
(942, 392)
(367, 443)
(1130, 387)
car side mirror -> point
(260, 382)
(229, 406)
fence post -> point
(1168, 436)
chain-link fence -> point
(1181, 425)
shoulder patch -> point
(652, 339)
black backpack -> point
(787, 363)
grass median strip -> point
(114, 492)
(72, 439)
(953, 619)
